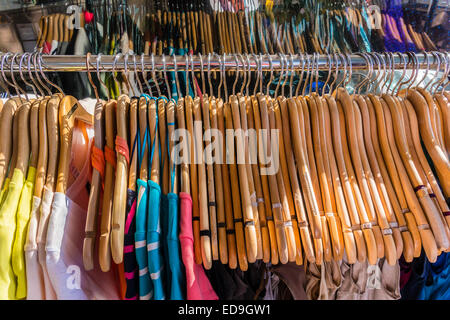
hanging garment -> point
(129, 258)
(64, 243)
(198, 286)
(322, 282)
(362, 281)
(175, 266)
(427, 281)
(155, 259)
(46, 202)
(294, 278)
(22, 219)
(34, 273)
(8, 211)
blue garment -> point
(155, 259)
(175, 266)
(164, 228)
(140, 238)
(428, 281)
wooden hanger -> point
(408, 228)
(155, 165)
(236, 196)
(442, 166)
(412, 123)
(391, 252)
(251, 184)
(53, 141)
(247, 211)
(41, 168)
(205, 232)
(41, 34)
(15, 145)
(292, 233)
(298, 135)
(121, 182)
(133, 125)
(352, 239)
(107, 203)
(295, 187)
(259, 198)
(321, 165)
(443, 105)
(70, 110)
(363, 181)
(162, 124)
(210, 201)
(282, 242)
(332, 216)
(218, 183)
(438, 199)
(363, 124)
(309, 151)
(23, 138)
(6, 132)
(265, 199)
(442, 108)
(384, 122)
(194, 185)
(231, 232)
(171, 114)
(380, 141)
(366, 226)
(431, 211)
(94, 196)
(34, 133)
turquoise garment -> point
(140, 238)
(155, 259)
(175, 266)
(164, 231)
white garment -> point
(35, 277)
(67, 285)
(47, 198)
(66, 231)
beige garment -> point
(323, 281)
(362, 281)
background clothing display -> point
(221, 150)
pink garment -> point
(198, 285)
(66, 255)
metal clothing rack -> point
(215, 62)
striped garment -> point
(175, 266)
(140, 237)
(129, 258)
(155, 258)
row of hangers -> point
(271, 222)
(359, 182)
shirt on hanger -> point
(8, 211)
(64, 245)
(198, 286)
(22, 219)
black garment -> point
(129, 259)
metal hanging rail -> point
(214, 62)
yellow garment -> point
(22, 218)
(3, 193)
(7, 228)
